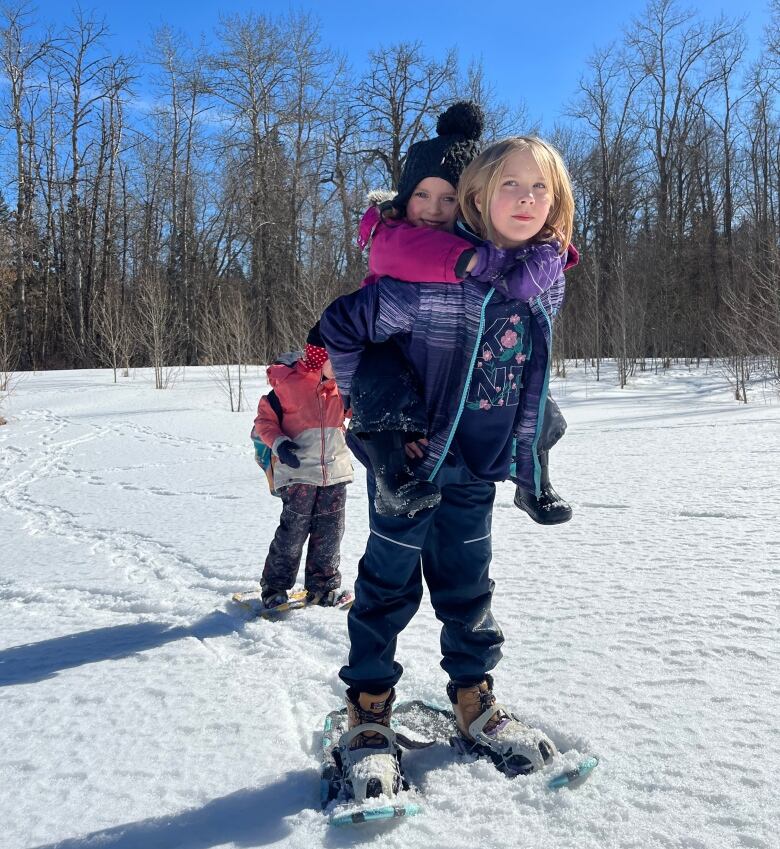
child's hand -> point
(490, 261)
(286, 453)
(413, 449)
(535, 272)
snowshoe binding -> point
(487, 728)
(361, 773)
(421, 720)
(333, 598)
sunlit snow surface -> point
(138, 710)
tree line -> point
(209, 215)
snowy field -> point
(139, 711)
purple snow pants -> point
(316, 512)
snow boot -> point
(327, 598)
(549, 508)
(369, 755)
(398, 492)
(489, 729)
(273, 598)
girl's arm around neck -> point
(418, 254)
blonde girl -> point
(523, 171)
(482, 356)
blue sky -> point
(534, 52)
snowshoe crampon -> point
(536, 753)
(360, 785)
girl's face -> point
(434, 203)
(521, 203)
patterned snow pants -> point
(316, 512)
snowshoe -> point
(489, 729)
(252, 602)
(418, 719)
(334, 598)
(354, 783)
(274, 598)
(417, 725)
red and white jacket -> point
(313, 417)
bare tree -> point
(157, 328)
(250, 74)
(114, 337)
(89, 73)
(227, 343)
(501, 119)
(9, 347)
(401, 96)
(21, 56)
(184, 83)
(608, 179)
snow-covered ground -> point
(137, 709)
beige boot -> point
(370, 758)
(469, 703)
(491, 730)
(371, 709)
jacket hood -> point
(279, 372)
(376, 197)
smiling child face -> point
(434, 203)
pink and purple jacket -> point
(313, 417)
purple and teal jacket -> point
(439, 329)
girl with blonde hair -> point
(404, 244)
(481, 353)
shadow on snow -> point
(33, 662)
(244, 818)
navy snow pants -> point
(316, 512)
(450, 547)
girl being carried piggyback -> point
(480, 351)
(411, 238)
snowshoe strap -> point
(476, 728)
(407, 743)
(368, 727)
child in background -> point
(411, 238)
(482, 356)
(312, 471)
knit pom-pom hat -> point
(314, 354)
(313, 357)
(457, 142)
